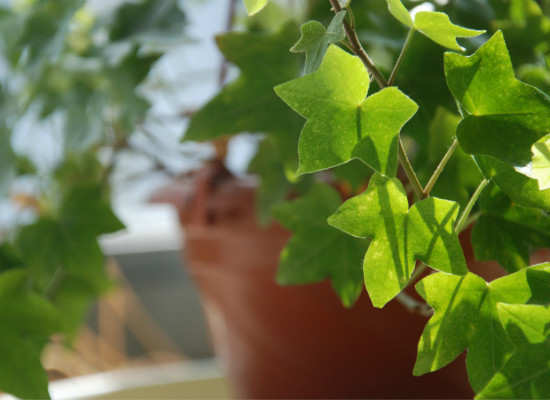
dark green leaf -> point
(317, 250)
(527, 373)
(249, 104)
(506, 232)
(503, 116)
(519, 187)
(148, 16)
(21, 373)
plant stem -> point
(55, 284)
(358, 48)
(413, 179)
(461, 222)
(359, 51)
(414, 305)
(401, 56)
(429, 186)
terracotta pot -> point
(293, 342)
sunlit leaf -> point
(466, 317)
(434, 25)
(399, 236)
(342, 124)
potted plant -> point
(440, 133)
(471, 142)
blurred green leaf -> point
(317, 250)
(249, 104)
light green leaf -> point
(503, 116)
(341, 124)
(527, 373)
(249, 104)
(431, 237)
(507, 232)
(399, 236)
(317, 250)
(315, 40)
(434, 25)
(254, 6)
(400, 12)
(438, 27)
(540, 169)
(466, 316)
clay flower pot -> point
(292, 342)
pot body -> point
(297, 341)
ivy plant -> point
(417, 126)
(387, 133)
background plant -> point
(74, 73)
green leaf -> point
(26, 319)
(69, 241)
(438, 27)
(145, 17)
(527, 373)
(507, 232)
(399, 236)
(249, 104)
(434, 25)
(21, 373)
(316, 39)
(466, 316)
(519, 187)
(540, 170)
(254, 6)
(400, 12)
(317, 250)
(503, 116)
(341, 124)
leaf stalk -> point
(461, 222)
(401, 57)
(431, 183)
(358, 49)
